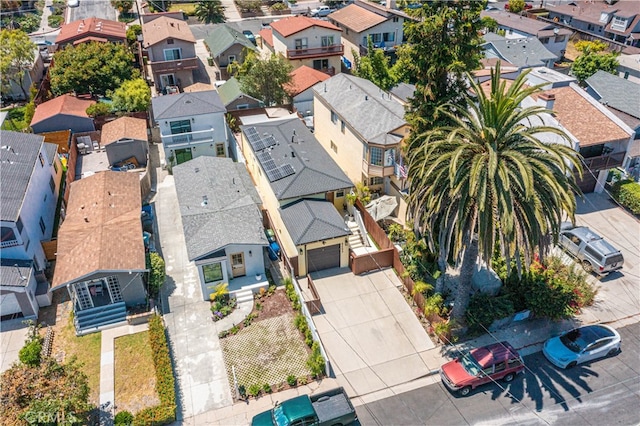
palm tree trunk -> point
(463, 291)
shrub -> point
(98, 109)
(627, 193)
(157, 273)
(234, 329)
(443, 331)
(223, 334)
(254, 390)
(258, 306)
(434, 306)
(123, 418)
(242, 391)
(267, 388)
(302, 380)
(278, 7)
(316, 362)
(292, 380)
(484, 309)
(30, 353)
(55, 20)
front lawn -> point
(188, 9)
(15, 120)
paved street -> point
(90, 8)
(606, 391)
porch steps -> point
(98, 317)
(355, 239)
(244, 296)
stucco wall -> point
(156, 52)
(64, 122)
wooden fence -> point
(313, 305)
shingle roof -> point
(15, 272)
(186, 104)
(295, 24)
(123, 127)
(163, 28)
(616, 92)
(18, 157)
(64, 104)
(92, 28)
(308, 221)
(221, 37)
(523, 24)
(404, 91)
(366, 108)
(586, 120)
(315, 170)
(231, 90)
(357, 18)
(303, 78)
(219, 205)
(522, 52)
(102, 230)
(198, 87)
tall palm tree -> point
(489, 177)
(210, 11)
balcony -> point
(604, 162)
(186, 139)
(377, 171)
(174, 66)
(334, 49)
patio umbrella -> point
(382, 207)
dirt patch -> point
(273, 306)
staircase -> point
(355, 239)
(244, 296)
(94, 319)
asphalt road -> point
(605, 392)
(90, 8)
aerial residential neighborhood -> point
(252, 212)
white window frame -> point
(173, 50)
(619, 24)
(301, 43)
(327, 41)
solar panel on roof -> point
(269, 141)
(280, 172)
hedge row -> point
(165, 412)
(627, 192)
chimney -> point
(391, 4)
(546, 100)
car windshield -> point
(470, 364)
(575, 340)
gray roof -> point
(231, 90)
(309, 221)
(222, 37)
(365, 108)
(529, 52)
(18, 157)
(315, 172)
(523, 24)
(616, 92)
(15, 273)
(51, 149)
(219, 205)
(404, 91)
(186, 104)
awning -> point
(382, 207)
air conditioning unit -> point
(82, 148)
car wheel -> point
(465, 391)
(509, 377)
(571, 365)
(587, 266)
(613, 351)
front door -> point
(183, 155)
(167, 80)
(237, 265)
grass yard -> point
(188, 9)
(135, 377)
(266, 352)
(15, 120)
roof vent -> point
(205, 201)
(86, 219)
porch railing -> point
(604, 162)
(334, 49)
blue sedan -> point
(582, 345)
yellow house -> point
(362, 128)
(303, 191)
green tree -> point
(440, 47)
(516, 6)
(263, 79)
(132, 33)
(51, 393)
(159, 5)
(593, 60)
(157, 272)
(91, 68)
(122, 6)
(489, 23)
(17, 54)
(488, 177)
(374, 67)
(209, 11)
(132, 95)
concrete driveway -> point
(13, 334)
(373, 339)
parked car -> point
(321, 12)
(593, 252)
(498, 361)
(581, 345)
(328, 408)
(248, 34)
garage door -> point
(9, 304)
(323, 258)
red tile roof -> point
(290, 26)
(267, 36)
(64, 104)
(303, 78)
(92, 27)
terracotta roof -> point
(589, 11)
(96, 27)
(267, 36)
(290, 26)
(163, 28)
(586, 120)
(64, 104)
(123, 127)
(89, 39)
(102, 230)
(357, 18)
(303, 78)
(198, 87)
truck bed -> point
(333, 407)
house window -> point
(388, 37)
(181, 126)
(242, 106)
(590, 27)
(376, 38)
(604, 17)
(212, 272)
(8, 236)
(377, 180)
(560, 39)
(301, 43)
(52, 184)
(41, 158)
(544, 40)
(169, 41)
(42, 225)
(172, 54)
(339, 194)
(390, 157)
(375, 156)
(319, 64)
(232, 58)
(394, 19)
(619, 24)
(334, 147)
(327, 41)
(220, 150)
(346, 31)
(342, 126)
(334, 117)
